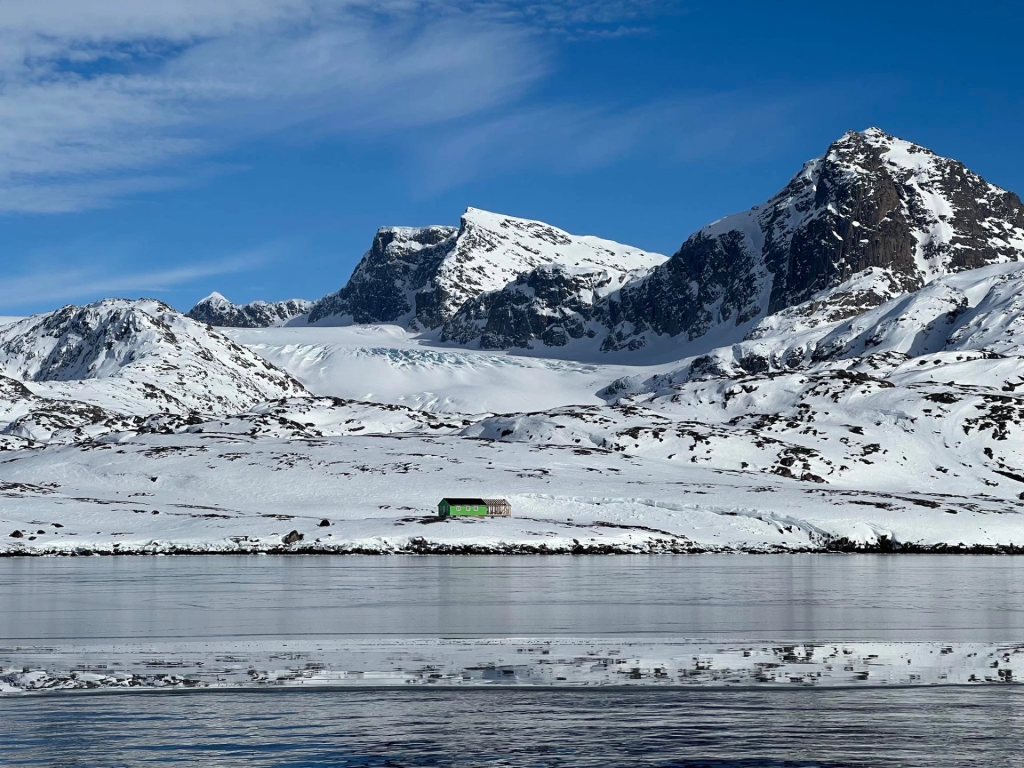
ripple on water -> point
(799, 729)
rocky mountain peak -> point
(421, 278)
(871, 201)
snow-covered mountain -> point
(873, 206)
(871, 201)
(837, 369)
(137, 357)
(421, 278)
(216, 310)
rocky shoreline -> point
(422, 547)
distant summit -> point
(217, 310)
(139, 357)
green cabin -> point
(474, 508)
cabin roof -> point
(474, 501)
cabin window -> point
(458, 508)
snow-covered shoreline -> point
(236, 493)
(504, 662)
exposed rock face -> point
(385, 286)
(552, 304)
(423, 277)
(871, 201)
(217, 310)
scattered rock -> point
(325, 523)
(17, 535)
(293, 537)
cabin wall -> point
(449, 510)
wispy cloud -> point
(115, 98)
(569, 138)
(56, 285)
(102, 96)
(56, 195)
(98, 100)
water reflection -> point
(801, 597)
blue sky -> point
(254, 146)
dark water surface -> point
(797, 597)
(57, 602)
(734, 729)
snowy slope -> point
(552, 305)
(493, 250)
(388, 364)
(919, 392)
(421, 277)
(234, 492)
(216, 310)
(862, 451)
(27, 419)
(137, 357)
(849, 429)
(867, 320)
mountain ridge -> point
(843, 370)
(217, 310)
(871, 201)
(137, 357)
(422, 277)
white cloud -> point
(106, 99)
(42, 196)
(102, 94)
(55, 285)
(572, 138)
(120, 20)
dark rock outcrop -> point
(551, 304)
(218, 311)
(394, 280)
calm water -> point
(65, 601)
(944, 727)
(804, 597)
